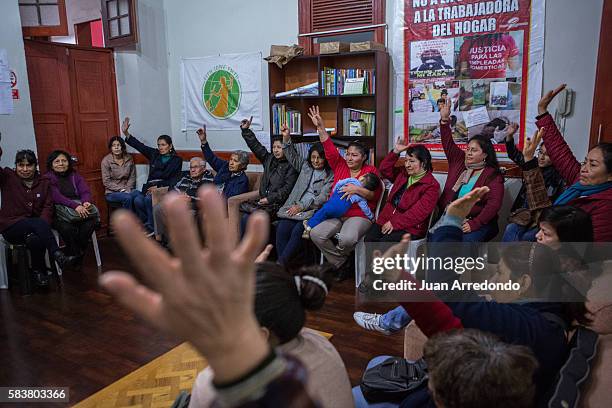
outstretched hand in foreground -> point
(203, 295)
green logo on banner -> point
(221, 92)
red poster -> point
(474, 53)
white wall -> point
(202, 28)
(17, 129)
(570, 54)
(142, 76)
(79, 11)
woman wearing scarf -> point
(476, 167)
(590, 182)
(411, 200)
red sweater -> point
(430, 313)
(19, 201)
(486, 209)
(415, 205)
(598, 206)
(342, 171)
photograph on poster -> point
(432, 59)
(498, 55)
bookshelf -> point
(305, 70)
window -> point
(43, 18)
(119, 22)
(340, 20)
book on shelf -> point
(334, 81)
(368, 118)
(310, 89)
(283, 115)
(331, 131)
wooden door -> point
(601, 123)
(74, 106)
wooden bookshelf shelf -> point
(305, 70)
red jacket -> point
(416, 204)
(486, 209)
(19, 202)
(341, 171)
(599, 206)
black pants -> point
(375, 234)
(36, 234)
(75, 234)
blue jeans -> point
(125, 199)
(395, 320)
(288, 239)
(335, 207)
(143, 205)
(486, 233)
(515, 232)
(360, 401)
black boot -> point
(41, 278)
(64, 261)
(344, 272)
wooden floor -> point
(78, 337)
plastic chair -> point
(96, 248)
(23, 274)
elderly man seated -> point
(187, 186)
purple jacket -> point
(80, 186)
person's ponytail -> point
(313, 284)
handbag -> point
(393, 379)
(523, 217)
(251, 206)
(70, 216)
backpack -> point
(393, 379)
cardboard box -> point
(366, 46)
(334, 47)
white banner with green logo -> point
(221, 90)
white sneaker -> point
(370, 321)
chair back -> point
(254, 179)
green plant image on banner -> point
(221, 93)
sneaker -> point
(370, 321)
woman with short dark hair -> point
(118, 173)
(75, 215)
(590, 182)
(26, 214)
(412, 199)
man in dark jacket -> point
(230, 177)
(188, 187)
(278, 177)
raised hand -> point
(511, 130)
(202, 134)
(125, 127)
(246, 123)
(285, 133)
(461, 207)
(221, 325)
(445, 110)
(547, 99)
(400, 146)
(315, 117)
(532, 144)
